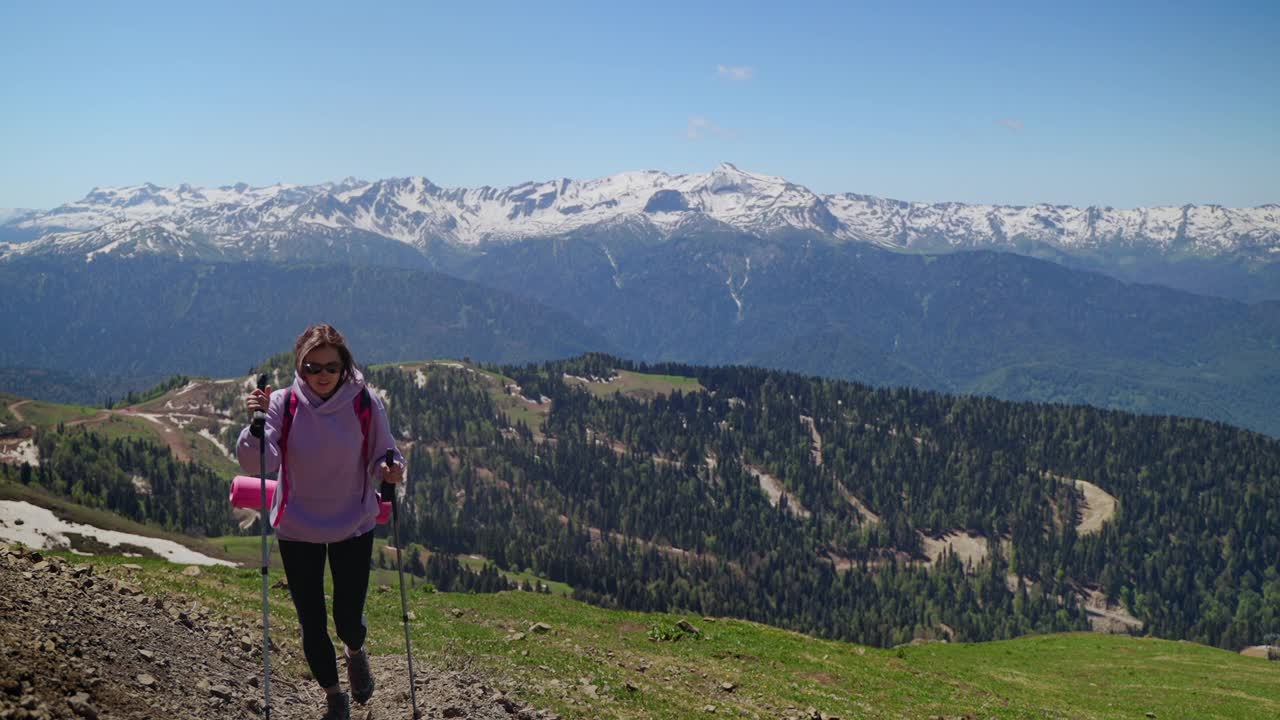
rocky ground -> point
(77, 641)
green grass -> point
(47, 415)
(1113, 676)
(476, 563)
(534, 416)
(1079, 675)
(642, 385)
(247, 550)
(123, 426)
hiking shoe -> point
(339, 707)
(359, 677)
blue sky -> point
(1120, 104)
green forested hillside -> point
(821, 505)
(970, 322)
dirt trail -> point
(849, 497)
(1099, 508)
(95, 418)
(1107, 617)
(775, 490)
(618, 538)
(80, 642)
(857, 504)
(971, 549)
(172, 437)
(17, 414)
(1099, 505)
(817, 439)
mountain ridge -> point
(239, 219)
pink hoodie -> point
(330, 496)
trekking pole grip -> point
(388, 490)
(259, 417)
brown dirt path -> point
(171, 436)
(1099, 508)
(817, 439)
(1099, 505)
(17, 414)
(82, 642)
(95, 418)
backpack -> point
(363, 407)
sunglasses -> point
(311, 368)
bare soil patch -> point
(1099, 508)
(857, 504)
(77, 641)
(1108, 617)
(817, 439)
(17, 414)
(824, 678)
(19, 452)
(775, 491)
(1099, 505)
(971, 549)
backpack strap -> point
(286, 424)
(363, 405)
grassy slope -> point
(247, 549)
(1059, 676)
(46, 414)
(117, 424)
(641, 385)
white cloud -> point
(735, 72)
(1012, 124)
(700, 127)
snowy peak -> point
(1208, 230)
(240, 220)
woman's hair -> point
(318, 336)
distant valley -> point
(974, 322)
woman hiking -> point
(328, 435)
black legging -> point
(304, 570)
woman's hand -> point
(393, 474)
(258, 400)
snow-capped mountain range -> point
(248, 221)
(13, 214)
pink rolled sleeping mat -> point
(246, 492)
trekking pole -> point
(258, 429)
(388, 491)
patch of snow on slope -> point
(42, 529)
